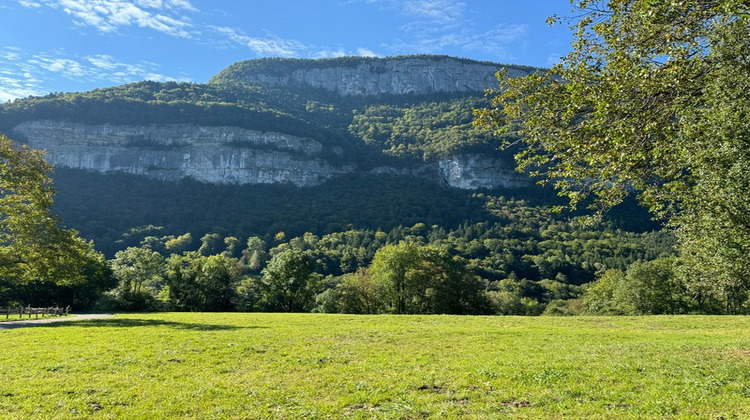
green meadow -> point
(248, 366)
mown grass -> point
(337, 366)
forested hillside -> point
(395, 157)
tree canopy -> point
(33, 247)
(653, 98)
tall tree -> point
(392, 267)
(653, 98)
(425, 279)
(255, 254)
(33, 245)
(136, 267)
(202, 283)
(289, 282)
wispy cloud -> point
(366, 52)
(25, 74)
(433, 26)
(17, 86)
(431, 12)
(29, 4)
(165, 16)
(330, 53)
(496, 41)
(16, 77)
(270, 45)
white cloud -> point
(329, 53)
(271, 45)
(496, 41)
(167, 4)
(434, 26)
(25, 74)
(69, 68)
(10, 55)
(29, 4)
(263, 46)
(364, 52)
(103, 61)
(165, 16)
(12, 87)
(442, 12)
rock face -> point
(220, 155)
(392, 76)
(471, 172)
(230, 155)
(466, 171)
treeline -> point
(530, 262)
(526, 260)
(558, 268)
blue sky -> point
(78, 45)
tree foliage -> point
(33, 246)
(289, 282)
(653, 98)
(416, 279)
(201, 283)
(427, 130)
(645, 288)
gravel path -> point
(34, 322)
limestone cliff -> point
(228, 155)
(221, 155)
(464, 171)
(374, 76)
(471, 172)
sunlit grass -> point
(338, 366)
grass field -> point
(336, 366)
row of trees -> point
(408, 277)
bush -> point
(128, 302)
(560, 307)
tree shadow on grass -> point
(131, 322)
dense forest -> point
(518, 260)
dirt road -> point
(36, 322)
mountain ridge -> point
(368, 76)
(417, 113)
